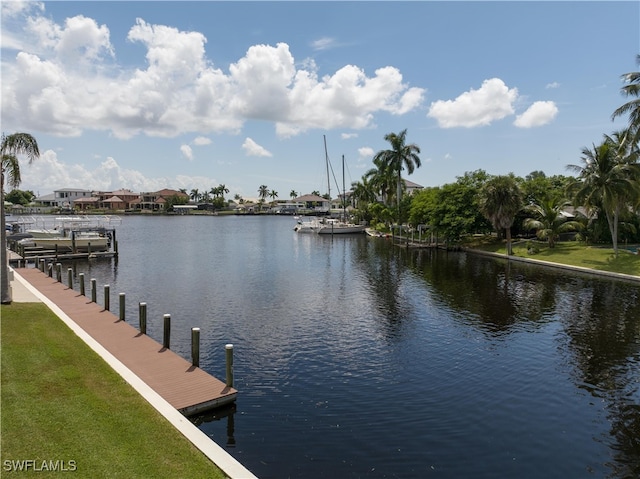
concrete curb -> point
(229, 465)
(593, 272)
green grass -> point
(569, 253)
(61, 401)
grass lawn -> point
(569, 253)
(61, 402)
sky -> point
(192, 95)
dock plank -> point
(187, 388)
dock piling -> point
(70, 278)
(167, 331)
(229, 360)
(81, 279)
(50, 270)
(122, 310)
(195, 346)
(59, 272)
(106, 297)
(93, 291)
(142, 313)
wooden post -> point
(73, 242)
(59, 272)
(50, 270)
(89, 248)
(229, 360)
(70, 278)
(142, 314)
(42, 263)
(106, 297)
(167, 331)
(93, 291)
(122, 307)
(195, 346)
(81, 278)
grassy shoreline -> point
(598, 258)
(61, 402)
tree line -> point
(600, 203)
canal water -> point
(356, 359)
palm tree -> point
(293, 194)
(273, 194)
(223, 190)
(548, 219)
(609, 179)
(399, 157)
(382, 179)
(11, 146)
(500, 201)
(263, 192)
(363, 192)
(632, 107)
(194, 195)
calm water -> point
(357, 359)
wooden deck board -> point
(174, 378)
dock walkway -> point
(187, 388)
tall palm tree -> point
(609, 179)
(273, 194)
(11, 146)
(194, 195)
(548, 219)
(632, 107)
(263, 192)
(222, 190)
(500, 200)
(399, 157)
(293, 194)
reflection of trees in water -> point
(383, 266)
(601, 319)
(602, 322)
(492, 295)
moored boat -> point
(81, 242)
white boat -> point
(335, 227)
(44, 233)
(81, 242)
(330, 226)
(308, 226)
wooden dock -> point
(187, 388)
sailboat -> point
(334, 226)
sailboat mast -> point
(344, 195)
(326, 158)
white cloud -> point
(348, 136)
(538, 114)
(365, 152)
(323, 43)
(493, 101)
(552, 85)
(48, 173)
(253, 149)
(69, 81)
(201, 141)
(187, 152)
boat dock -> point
(187, 388)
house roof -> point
(411, 184)
(86, 199)
(310, 198)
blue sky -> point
(148, 95)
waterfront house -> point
(157, 200)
